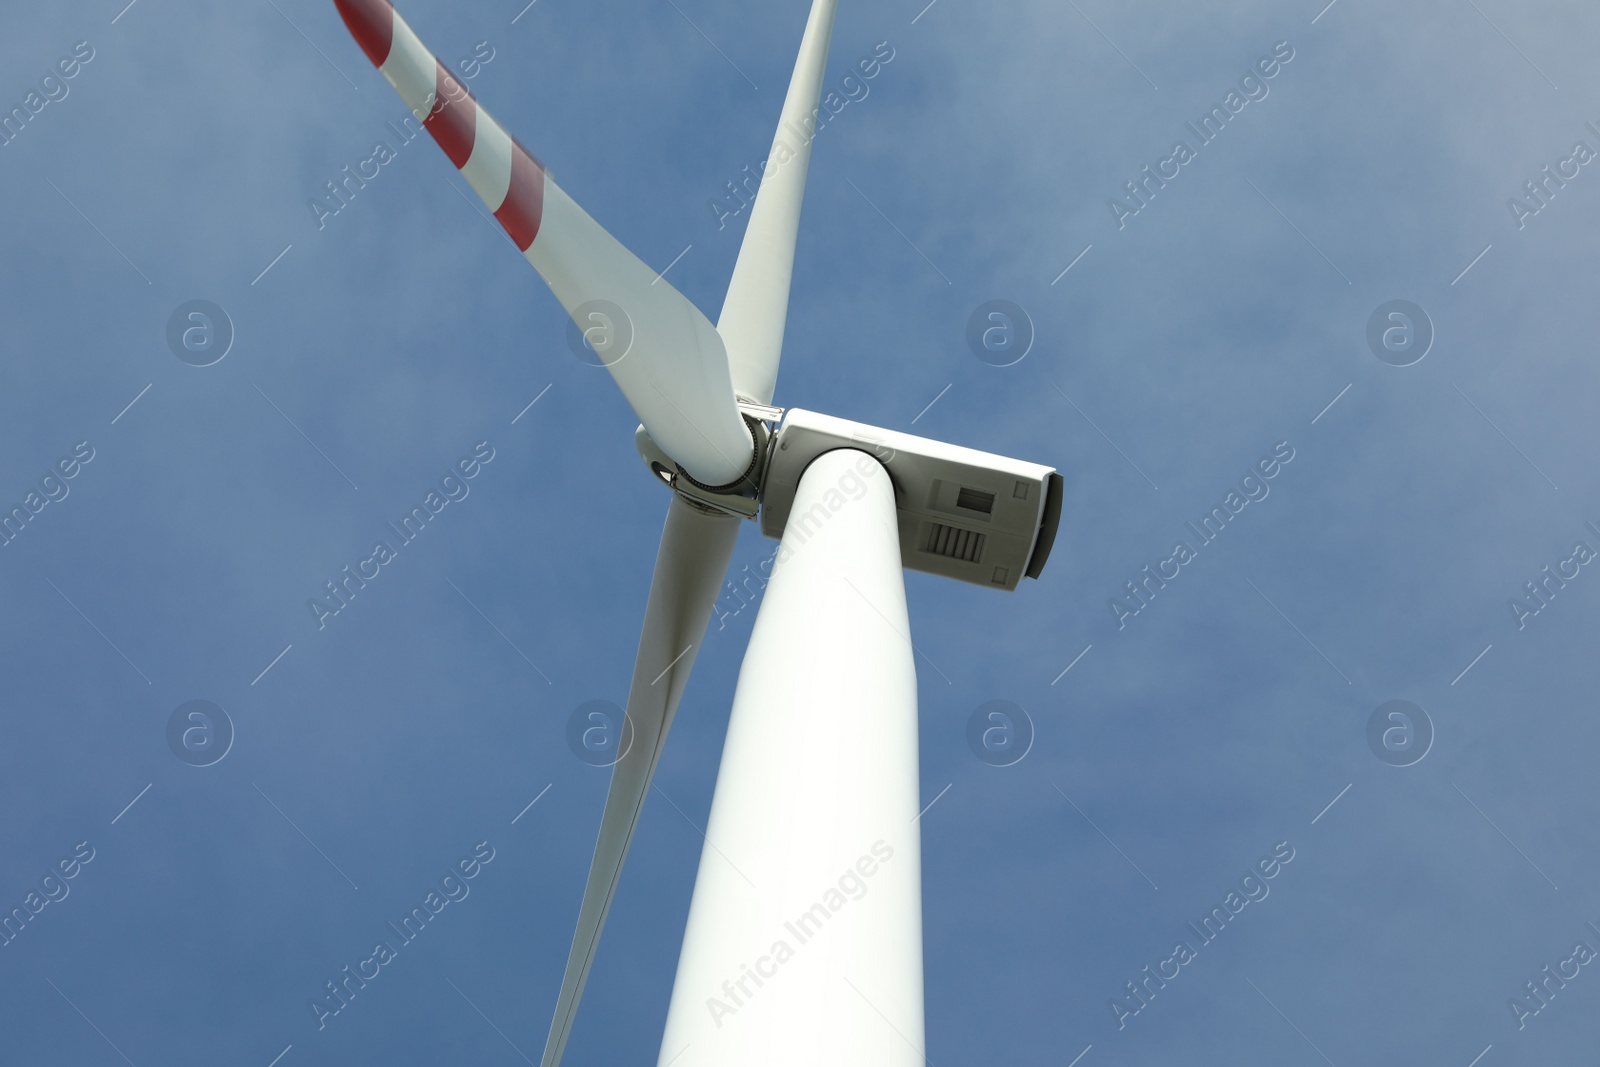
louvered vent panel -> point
(953, 543)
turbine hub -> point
(740, 497)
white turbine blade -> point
(690, 565)
(757, 304)
(664, 354)
(804, 940)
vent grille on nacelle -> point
(954, 543)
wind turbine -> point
(804, 936)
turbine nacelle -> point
(962, 513)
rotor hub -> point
(740, 497)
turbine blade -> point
(690, 565)
(664, 354)
(757, 304)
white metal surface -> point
(665, 355)
(757, 305)
(804, 941)
(694, 554)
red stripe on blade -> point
(453, 120)
(524, 203)
(371, 23)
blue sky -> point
(1180, 349)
